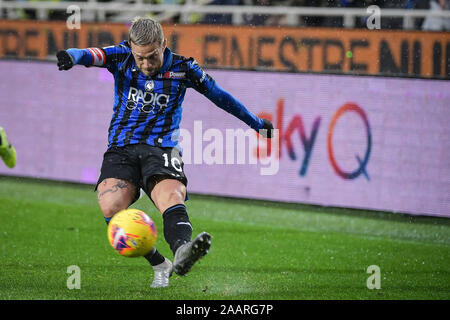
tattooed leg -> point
(114, 195)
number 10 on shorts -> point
(175, 162)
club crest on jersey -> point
(149, 85)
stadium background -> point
(402, 147)
(366, 111)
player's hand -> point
(267, 129)
(65, 60)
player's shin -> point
(154, 257)
(177, 227)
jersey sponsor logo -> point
(148, 102)
(98, 57)
(172, 75)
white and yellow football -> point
(132, 233)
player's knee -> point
(170, 199)
(111, 208)
(177, 194)
(168, 194)
(114, 195)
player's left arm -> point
(98, 57)
(206, 85)
(87, 57)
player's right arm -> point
(207, 86)
(99, 57)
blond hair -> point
(144, 31)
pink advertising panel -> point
(359, 142)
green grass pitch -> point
(260, 250)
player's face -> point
(149, 58)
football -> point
(132, 233)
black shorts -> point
(143, 165)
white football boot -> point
(162, 273)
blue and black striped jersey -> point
(148, 109)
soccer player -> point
(143, 151)
(7, 151)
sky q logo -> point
(296, 124)
(361, 169)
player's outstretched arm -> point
(204, 84)
(227, 102)
(87, 57)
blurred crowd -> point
(428, 23)
(436, 24)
